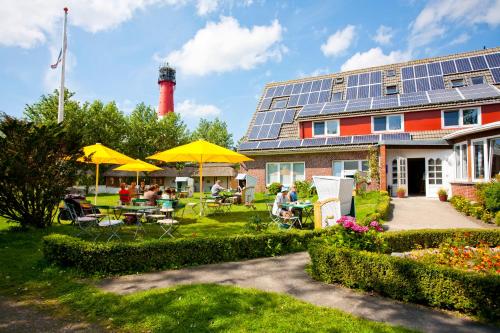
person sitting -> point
(217, 189)
(281, 198)
(124, 194)
(132, 189)
(292, 195)
(142, 188)
(151, 195)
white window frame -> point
(360, 166)
(486, 158)
(461, 117)
(459, 159)
(387, 123)
(324, 133)
(293, 177)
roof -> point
(473, 130)
(116, 173)
(216, 170)
(173, 172)
(209, 170)
(421, 84)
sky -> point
(224, 51)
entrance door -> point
(402, 173)
(416, 179)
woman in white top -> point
(280, 199)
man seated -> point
(281, 198)
(152, 195)
(292, 195)
(124, 194)
(217, 189)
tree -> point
(45, 110)
(215, 132)
(37, 164)
(103, 123)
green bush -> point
(130, 257)
(492, 197)
(408, 280)
(382, 210)
(274, 188)
(303, 188)
(497, 218)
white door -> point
(434, 176)
(403, 174)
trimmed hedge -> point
(382, 210)
(131, 257)
(409, 280)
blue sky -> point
(224, 50)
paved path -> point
(426, 213)
(287, 274)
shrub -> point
(274, 188)
(492, 197)
(497, 218)
(382, 210)
(131, 257)
(408, 280)
(256, 224)
(486, 217)
(303, 188)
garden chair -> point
(112, 225)
(274, 218)
(192, 206)
(84, 223)
(169, 227)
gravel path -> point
(287, 274)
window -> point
(337, 96)
(478, 159)
(477, 80)
(493, 160)
(279, 103)
(328, 128)
(460, 152)
(457, 83)
(390, 73)
(391, 90)
(388, 123)
(462, 117)
(285, 173)
(394, 170)
(349, 167)
(435, 171)
(339, 80)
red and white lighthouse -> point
(166, 81)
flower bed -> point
(410, 280)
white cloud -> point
(225, 46)
(190, 109)
(374, 57)
(340, 41)
(462, 38)
(438, 16)
(384, 35)
(316, 72)
(204, 7)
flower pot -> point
(443, 197)
(401, 194)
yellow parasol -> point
(99, 154)
(201, 152)
(137, 166)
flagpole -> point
(60, 110)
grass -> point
(197, 308)
(365, 204)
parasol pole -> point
(137, 179)
(201, 188)
(96, 182)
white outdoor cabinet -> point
(334, 199)
(185, 184)
(250, 183)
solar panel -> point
(396, 137)
(259, 119)
(423, 84)
(293, 101)
(436, 82)
(444, 96)
(279, 91)
(316, 85)
(270, 92)
(384, 102)
(479, 91)
(269, 144)
(363, 79)
(416, 98)
(463, 65)
(375, 77)
(352, 80)
(448, 67)
(326, 84)
(269, 117)
(274, 131)
(303, 99)
(363, 91)
(297, 87)
(313, 98)
(421, 71)
(495, 72)
(290, 143)
(311, 110)
(289, 116)
(313, 142)
(339, 140)
(434, 69)
(334, 107)
(372, 138)
(493, 60)
(352, 93)
(409, 86)
(407, 73)
(375, 90)
(254, 133)
(264, 131)
(324, 97)
(266, 103)
(306, 87)
(278, 117)
(359, 104)
(248, 145)
(288, 90)
(478, 63)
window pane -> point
(463, 163)
(272, 174)
(395, 123)
(285, 174)
(332, 127)
(457, 162)
(379, 124)
(351, 165)
(365, 166)
(337, 168)
(477, 80)
(479, 160)
(494, 152)
(299, 172)
(319, 128)
(450, 118)
(470, 117)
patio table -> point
(141, 210)
(305, 210)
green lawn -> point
(365, 204)
(25, 275)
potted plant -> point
(443, 194)
(401, 192)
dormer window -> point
(279, 103)
(339, 80)
(477, 80)
(390, 73)
(456, 83)
(391, 90)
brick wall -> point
(466, 190)
(317, 164)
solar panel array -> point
(479, 91)
(267, 125)
(364, 85)
(326, 141)
(303, 93)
